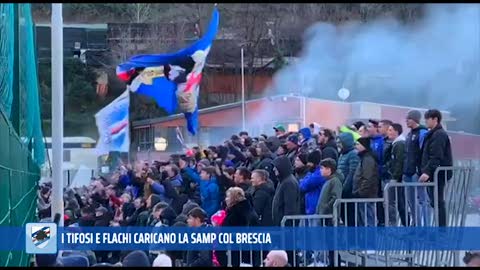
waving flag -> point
(113, 126)
(172, 79)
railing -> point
(454, 182)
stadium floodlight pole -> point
(57, 111)
(243, 89)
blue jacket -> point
(312, 185)
(177, 181)
(159, 189)
(377, 145)
(306, 133)
(347, 162)
(209, 192)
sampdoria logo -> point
(41, 238)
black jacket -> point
(413, 151)
(201, 258)
(262, 198)
(329, 150)
(436, 152)
(396, 160)
(366, 177)
(241, 214)
(287, 196)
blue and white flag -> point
(172, 79)
(113, 126)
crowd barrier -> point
(419, 210)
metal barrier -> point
(364, 214)
(310, 258)
(449, 191)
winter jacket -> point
(377, 144)
(132, 219)
(436, 152)
(413, 150)
(329, 150)
(347, 163)
(387, 156)
(287, 195)
(308, 144)
(159, 189)
(366, 178)
(241, 214)
(172, 196)
(209, 192)
(312, 185)
(331, 191)
(201, 258)
(396, 160)
(236, 151)
(292, 155)
(262, 197)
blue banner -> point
(253, 238)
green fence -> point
(21, 143)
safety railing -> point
(409, 203)
(450, 192)
(357, 212)
(307, 257)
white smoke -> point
(433, 62)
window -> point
(145, 138)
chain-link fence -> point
(21, 144)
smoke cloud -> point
(433, 62)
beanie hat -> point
(303, 158)
(204, 162)
(365, 142)
(293, 139)
(314, 157)
(136, 259)
(162, 260)
(414, 115)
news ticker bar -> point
(38, 237)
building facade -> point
(218, 123)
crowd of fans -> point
(256, 181)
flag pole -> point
(57, 111)
(243, 90)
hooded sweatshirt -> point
(287, 196)
(308, 143)
(347, 162)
